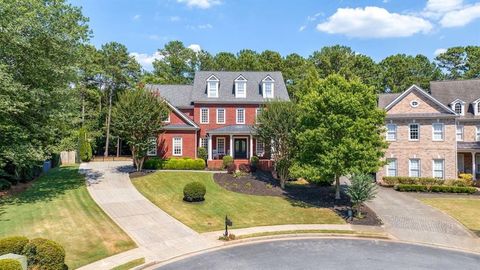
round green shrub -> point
(194, 192)
(227, 160)
(10, 264)
(254, 162)
(44, 254)
(12, 244)
(202, 153)
(5, 185)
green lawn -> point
(59, 207)
(165, 190)
(465, 210)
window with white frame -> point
(458, 108)
(240, 116)
(268, 89)
(459, 133)
(221, 116)
(414, 132)
(258, 111)
(204, 143)
(477, 133)
(204, 116)
(478, 108)
(414, 167)
(391, 167)
(260, 148)
(212, 87)
(439, 168)
(391, 132)
(152, 147)
(177, 146)
(437, 129)
(221, 145)
(240, 89)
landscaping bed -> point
(298, 193)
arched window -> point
(458, 108)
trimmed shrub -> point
(153, 163)
(435, 188)
(202, 153)
(244, 168)
(4, 185)
(194, 192)
(254, 162)
(231, 168)
(12, 244)
(409, 187)
(467, 178)
(227, 160)
(174, 164)
(427, 181)
(10, 264)
(44, 254)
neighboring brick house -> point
(216, 112)
(433, 135)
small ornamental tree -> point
(85, 149)
(138, 117)
(276, 127)
(362, 189)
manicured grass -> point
(59, 207)
(465, 210)
(327, 232)
(165, 189)
(130, 264)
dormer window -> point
(476, 107)
(458, 106)
(240, 87)
(212, 87)
(268, 87)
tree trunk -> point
(337, 187)
(118, 146)
(83, 109)
(108, 122)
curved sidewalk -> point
(158, 235)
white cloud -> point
(439, 51)
(203, 4)
(373, 22)
(436, 8)
(136, 17)
(146, 60)
(461, 17)
(195, 47)
(174, 18)
(302, 28)
(200, 26)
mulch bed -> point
(16, 189)
(136, 174)
(263, 184)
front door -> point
(240, 150)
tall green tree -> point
(248, 60)
(176, 65)
(340, 130)
(400, 71)
(138, 116)
(270, 61)
(460, 62)
(225, 61)
(276, 126)
(293, 70)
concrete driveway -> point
(408, 219)
(328, 254)
(158, 235)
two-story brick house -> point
(216, 112)
(432, 135)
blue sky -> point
(377, 28)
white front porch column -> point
(473, 166)
(251, 147)
(231, 145)
(209, 138)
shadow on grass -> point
(47, 187)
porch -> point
(468, 158)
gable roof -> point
(179, 96)
(465, 90)
(422, 92)
(385, 99)
(226, 91)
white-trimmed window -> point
(414, 167)
(204, 115)
(391, 167)
(177, 149)
(437, 132)
(268, 87)
(220, 116)
(477, 133)
(477, 105)
(212, 87)
(459, 133)
(258, 111)
(391, 132)
(260, 148)
(240, 116)
(414, 132)
(221, 145)
(204, 143)
(152, 147)
(439, 168)
(458, 108)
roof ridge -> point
(455, 80)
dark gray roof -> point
(179, 127)
(235, 129)
(179, 96)
(468, 145)
(465, 90)
(385, 99)
(226, 92)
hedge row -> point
(174, 164)
(10, 264)
(428, 181)
(434, 188)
